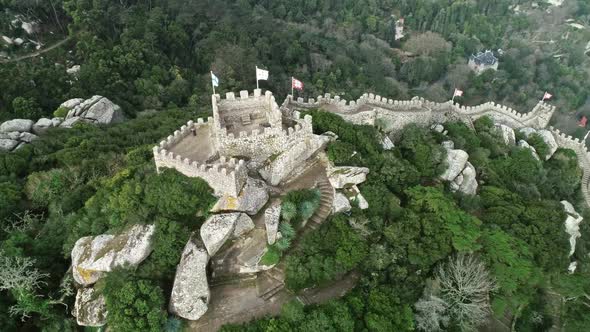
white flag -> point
(458, 93)
(261, 74)
(214, 80)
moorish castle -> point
(249, 128)
(252, 152)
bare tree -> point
(431, 314)
(22, 222)
(19, 273)
(465, 285)
(428, 43)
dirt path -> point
(241, 305)
(37, 53)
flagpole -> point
(454, 94)
(292, 92)
(257, 78)
(213, 85)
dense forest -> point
(157, 55)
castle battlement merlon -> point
(538, 117)
(184, 131)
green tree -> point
(26, 108)
(133, 304)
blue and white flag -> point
(214, 80)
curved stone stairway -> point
(326, 200)
(271, 282)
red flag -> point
(296, 84)
(547, 95)
(583, 121)
(458, 93)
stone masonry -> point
(250, 128)
(398, 113)
(369, 108)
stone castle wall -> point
(369, 108)
(258, 144)
(579, 147)
(282, 165)
(395, 114)
(227, 176)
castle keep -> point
(245, 129)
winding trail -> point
(37, 53)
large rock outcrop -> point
(43, 124)
(456, 161)
(71, 103)
(217, 229)
(468, 185)
(572, 224)
(386, 143)
(547, 137)
(523, 144)
(90, 308)
(357, 198)
(340, 203)
(190, 292)
(244, 224)
(460, 172)
(19, 125)
(271, 222)
(342, 176)
(98, 110)
(15, 133)
(93, 256)
(250, 200)
(507, 134)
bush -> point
(133, 304)
(288, 211)
(44, 187)
(304, 202)
(26, 108)
(61, 112)
(536, 141)
(271, 257)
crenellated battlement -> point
(579, 147)
(225, 175)
(369, 107)
(252, 125)
(184, 131)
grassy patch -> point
(271, 257)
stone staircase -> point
(234, 279)
(303, 299)
(270, 282)
(326, 200)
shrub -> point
(271, 257)
(299, 205)
(61, 112)
(288, 210)
(539, 144)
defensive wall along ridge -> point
(369, 108)
(579, 147)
